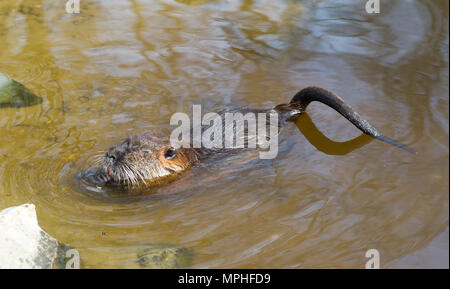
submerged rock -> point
(164, 257)
(14, 94)
(23, 244)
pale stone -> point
(23, 244)
(14, 94)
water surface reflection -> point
(121, 67)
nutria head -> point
(146, 158)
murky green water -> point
(121, 67)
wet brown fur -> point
(140, 159)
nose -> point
(117, 153)
(111, 156)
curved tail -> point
(305, 96)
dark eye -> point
(170, 153)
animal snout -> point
(110, 156)
(113, 155)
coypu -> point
(150, 159)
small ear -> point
(170, 153)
